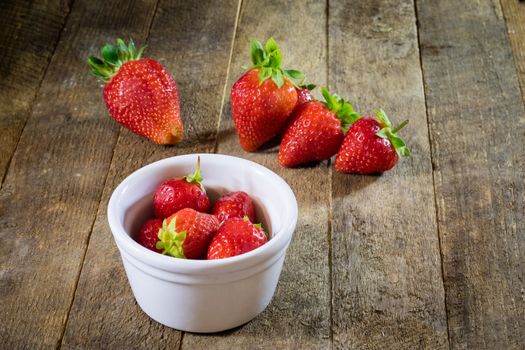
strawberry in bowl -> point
(219, 294)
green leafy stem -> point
(268, 60)
(113, 57)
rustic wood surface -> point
(90, 324)
(28, 39)
(52, 189)
(514, 13)
(476, 123)
(429, 255)
(387, 283)
(293, 320)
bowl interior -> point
(273, 199)
(137, 213)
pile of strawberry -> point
(269, 101)
(185, 227)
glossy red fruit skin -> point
(235, 236)
(314, 134)
(176, 194)
(260, 111)
(363, 152)
(303, 95)
(148, 234)
(143, 97)
(234, 205)
(200, 229)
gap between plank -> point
(224, 94)
(31, 104)
(513, 50)
(330, 188)
(88, 238)
(226, 80)
(433, 174)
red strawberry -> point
(149, 234)
(139, 93)
(234, 205)
(236, 236)
(371, 146)
(176, 194)
(304, 95)
(316, 130)
(264, 97)
(187, 234)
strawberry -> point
(304, 95)
(371, 146)
(187, 234)
(264, 97)
(316, 130)
(148, 234)
(176, 194)
(234, 205)
(236, 236)
(139, 93)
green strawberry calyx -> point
(259, 225)
(113, 57)
(268, 60)
(196, 177)
(342, 109)
(170, 241)
(308, 87)
(386, 132)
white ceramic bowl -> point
(201, 295)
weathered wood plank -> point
(28, 38)
(193, 40)
(387, 283)
(52, 190)
(299, 315)
(476, 119)
(514, 12)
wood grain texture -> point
(476, 120)
(193, 41)
(52, 190)
(387, 284)
(299, 315)
(30, 31)
(514, 13)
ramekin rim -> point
(170, 264)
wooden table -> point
(429, 255)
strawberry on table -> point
(234, 204)
(187, 234)
(176, 194)
(371, 146)
(316, 130)
(139, 93)
(149, 234)
(304, 95)
(236, 236)
(264, 97)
